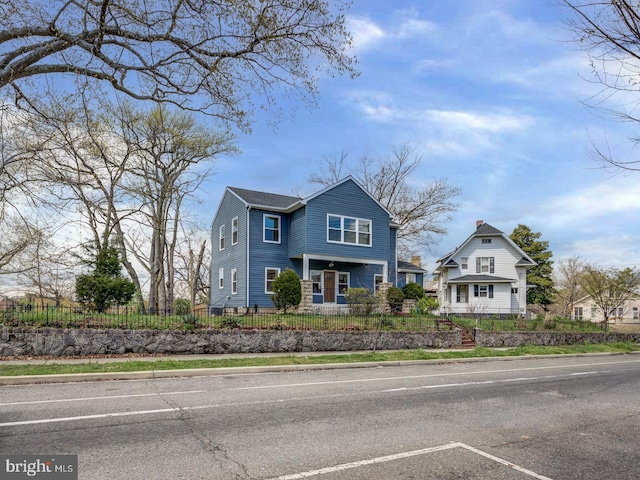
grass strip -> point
(7, 369)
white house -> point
(586, 309)
(486, 274)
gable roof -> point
(486, 230)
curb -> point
(207, 372)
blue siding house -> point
(337, 238)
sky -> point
(492, 97)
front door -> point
(329, 286)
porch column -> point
(305, 266)
(307, 296)
(383, 288)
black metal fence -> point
(126, 317)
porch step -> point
(467, 339)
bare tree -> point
(200, 55)
(170, 165)
(420, 211)
(609, 31)
(568, 277)
(610, 289)
(52, 272)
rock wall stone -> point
(82, 342)
(516, 339)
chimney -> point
(417, 261)
(479, 223)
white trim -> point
(247, 258)
(357, 230)
(234, 281)
(306, 258)
(222, 237)
(264, 227)
(237, 230)
(220, 278)
(265, 278)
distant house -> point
(411, 272)
(586, 309)
(486, 274)
(337, 238)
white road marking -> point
(85, 399)
(504, 462)
(399, 456)
(260, 402)
(433, 375)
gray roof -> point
(264, 199)
(481, 279)
(486, 229)
(409, 267)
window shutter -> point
(477, 265)
(490, 291)
(475, 291)
(491, 265)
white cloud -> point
(365, 33)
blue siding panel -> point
(267, 255)
(347, 199)
(233, 256)
(297, 233)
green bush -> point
(231, 323)
(395, 297)
(361, 301)
(183, 306)
(427, 305)
(287, 290)
(413, 291)
(189, 321)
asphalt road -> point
(562, 418)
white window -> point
(343, 283)
(354, 231)
(222, 237)
(221, 278)
(234, 231)
(620, 312)
(377, 280)
(316, 280)
(483, 291)
(234, 281)
(411, 278)
(594, 311)
(270, 274)
(577, 313)
(271, 228)
(485, 264)
(635, 313)
(462, 293)
(514, 290)
(465, 263)
(486, 240)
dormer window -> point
(486, 240)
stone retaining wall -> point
(80, 342)
(516, 339)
